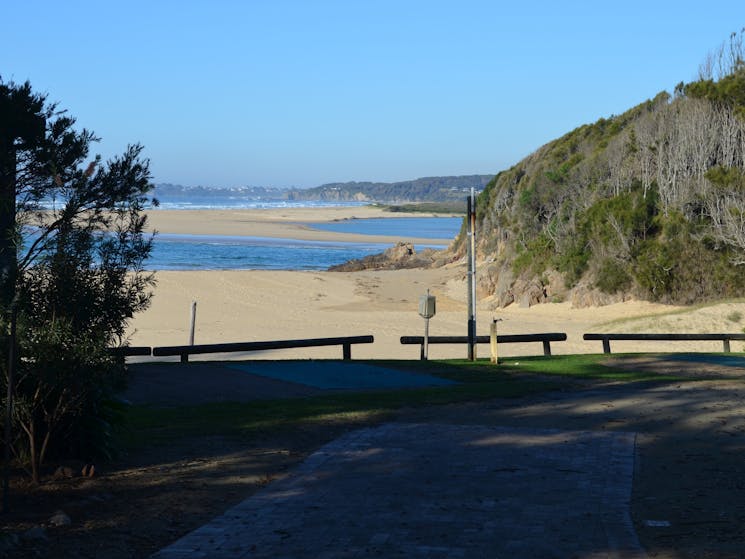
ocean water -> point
(202, 252)
(207, 252)
(424, 227)
(243, 202)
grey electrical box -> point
(427, 306)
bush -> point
(74, 282)
(63, 383)
(684, 270)
(535, 257)
(612, 276)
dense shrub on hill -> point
(649, 203)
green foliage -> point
(610, 226)
(682, 269)
(454, 207)
(573, 259)
(623, 203)
(534, 258)
(729, 86)
(654, 265)
(625, 218)
(426, 189)
(63, 384)
(77, 279)
(727, 178)
(729, 90)
(612, 276)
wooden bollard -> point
(493, 342)
(193, 322)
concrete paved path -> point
(438, 491)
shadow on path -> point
(435, 490)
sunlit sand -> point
(234, 306)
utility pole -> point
(471, 241)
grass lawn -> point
(480, 380)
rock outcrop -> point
(401, 255)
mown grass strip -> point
(148, 425)
(512, 378)
(584, 366)
(590, 366)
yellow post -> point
(493, 342)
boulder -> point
(528, 292)
(585, 295)
(401, 255)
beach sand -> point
(238, 306)
(285, 223)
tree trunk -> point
(8, 258)
(33, 454)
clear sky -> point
(300, 93)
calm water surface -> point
(208, 252)
(424, 227)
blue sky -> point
(300, 93)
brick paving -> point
(438, 491)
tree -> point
(72, 248)
(22, 119)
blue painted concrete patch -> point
(330, 375)
(726, 360)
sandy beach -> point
(285, 223)
(237, 306)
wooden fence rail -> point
(546, 339)
(185, 350)
(606, 338)
(126, 351)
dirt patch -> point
(689, 488)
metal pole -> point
(471, 229)
(425, 345)
(426, 339)
(193, 322)
(473, 266)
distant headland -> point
(426, 189)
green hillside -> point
(649, 203)
(426, 189)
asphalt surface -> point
(439, 491)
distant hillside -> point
(649, 203)
(428, 189)
(166, 190)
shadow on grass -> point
(150, 424)
(477, 381)
(568, 367)
(590, 367)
